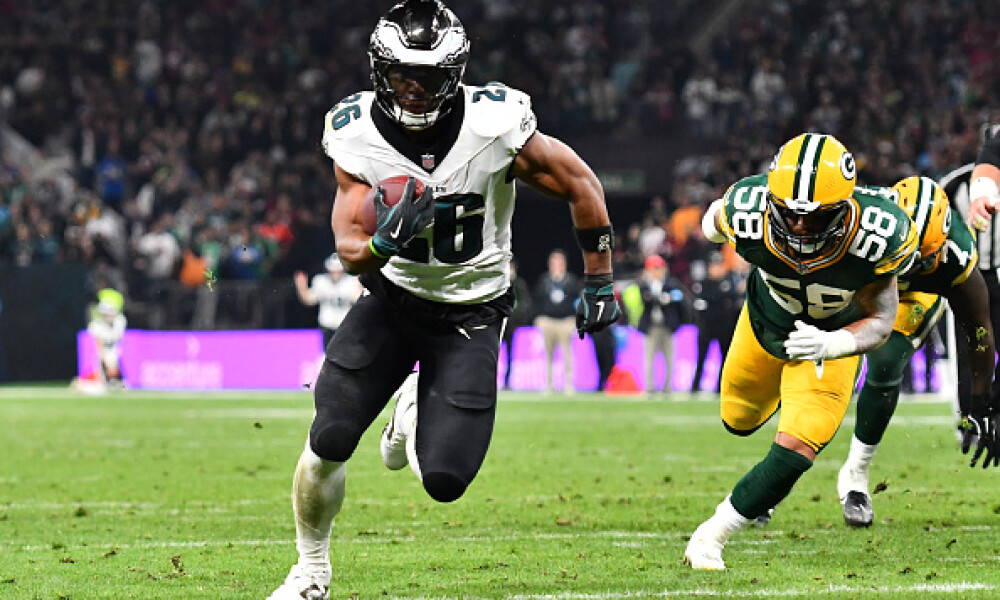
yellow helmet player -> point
(926, 203)
(809, 182)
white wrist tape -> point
(840, 343)
(708, 226)
(984, 186)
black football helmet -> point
(418, 54)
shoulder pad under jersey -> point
(348, 119)
(495, 110)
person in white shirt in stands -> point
(334, 291)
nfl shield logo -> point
(427, 161)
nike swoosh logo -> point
(399, 226)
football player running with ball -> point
(822, 291)
(436, 268)
(946, 270)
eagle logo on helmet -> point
(926, 203)
(810, 186)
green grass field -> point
(149, 495)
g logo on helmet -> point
(847, 165)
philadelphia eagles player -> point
(946, 270)
(822, 291)
(436, 268)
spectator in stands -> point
(111, 175)
(170, 87)
(554, 301)
(698, 95)
(157, 258)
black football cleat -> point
(764, 519)
(858, 509)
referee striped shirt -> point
(956, 185)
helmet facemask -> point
(418, 54)
(824, 225)
(810, 185)
(424, 90)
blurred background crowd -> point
(172, 149)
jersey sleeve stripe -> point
(902, 258)
(973, 261)
(723, 215)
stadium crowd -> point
(159, 143)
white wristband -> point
(984, 186)
(841, 343)
(708, 226)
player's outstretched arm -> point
(552, 167)
(984, 186)
(352, 241)
(984, 195)
(970, 303)
(878, 301)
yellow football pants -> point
(918, 312)
(755, 382)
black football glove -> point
(979, 428)
(399, 224)
(597, 307)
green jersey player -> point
(946, 270)
(821, 292)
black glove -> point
(979, 427)
(399, 224)
(597, 307)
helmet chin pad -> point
(415, 121)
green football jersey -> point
(878, 241)
(959, 256)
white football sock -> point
(317, 495)
(861, 454)
(723, 524)
(728, 520)
(853, 475)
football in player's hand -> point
(392, 191)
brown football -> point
(392, 191)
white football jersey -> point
(106, 333)
(335, 298)
(463, 257)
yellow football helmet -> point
(926, 203)
(810, 182)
